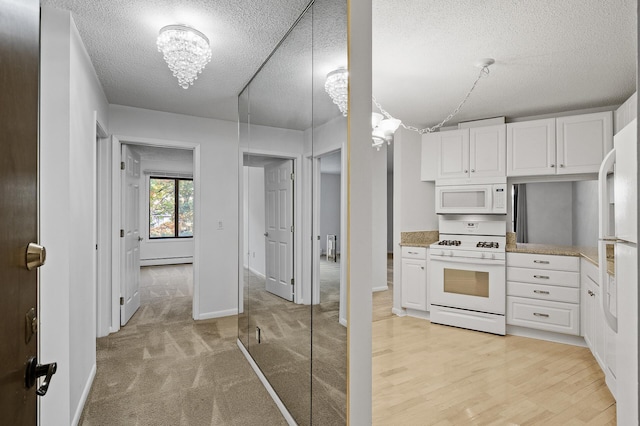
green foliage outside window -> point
(170, 199)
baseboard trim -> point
(381, 288)
(418, 314)
(166, 261)
(549, 336)
(84, 396)
(260, 274)
(218, 314)
(283, 409)
(399, 312)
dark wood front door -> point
(19, 64)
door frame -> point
(102, 224)
(314, 164)
(116, 146)
(301, 291)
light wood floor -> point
(426, 374)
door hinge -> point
(293, 176)
(293, 281)
(122, 301)
(122, 165)
(122, 233)
(292, 228)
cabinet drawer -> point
(544, 292)
(544, 315)
(545, 277)
(544, 261)
(414, 252)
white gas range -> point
(468, 283)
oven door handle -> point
(466, 260)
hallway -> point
(163, 368)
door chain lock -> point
(35, 370)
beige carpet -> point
(163, 368)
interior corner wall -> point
(413, 201)
(218, 140)
(390, 212)
(549, 213)
(585, 213)
(70, 98)
(379, 220)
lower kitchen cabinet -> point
(593, 322)
(543, 292)
(414, 278)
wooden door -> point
(19, 62)
(531, 148)
(453, 154)
(130, 264)
(278, 182)
(487, 151)
(583, 141)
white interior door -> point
(278, 183)
(130, 222)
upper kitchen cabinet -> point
(469, 153)
(531, 147)
(582, 141)
(559, 146)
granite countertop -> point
(589, 253)
(419, 238)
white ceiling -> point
(551, 55)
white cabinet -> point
(582, 141)
(543, 292)
(592, 316)
(564, 145)
(531, 147)
(414, 278)
(469, 153)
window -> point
(170, 208)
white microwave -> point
(471, 199)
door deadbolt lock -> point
(36, 256)
(35, 370)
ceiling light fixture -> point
(337, 86)
(385, 125)
(186, 51)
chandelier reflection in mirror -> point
(384, 125)
(186, 51)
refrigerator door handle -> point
(603, 231)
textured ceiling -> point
(550, 55)
(120, 36)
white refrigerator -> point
(618, 231)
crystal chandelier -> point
(337, 86)
(186, 51)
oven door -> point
(469, 199)
(474, 284)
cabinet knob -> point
(561, 165)
(553, 165)
(473, 170)
(422, 267)
(466, 171)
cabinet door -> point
(531, 148)
(453, 154)
(589, 315)
(583, 141)
(414, 284)
(487, 151)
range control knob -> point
(450, 253)
(482, 256)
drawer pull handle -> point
(413, 252)
(422, 267)
(541, 315)
(590, 293)
(543, 262)
(542, 277)
(541, 291)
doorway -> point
(168, 189)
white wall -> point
(70, 97)
(585, 213)
(550, 213)
(413, 201)
(379, 220)
(390, 212)
(218, 199)
(329, 208)
(254, 219)
(178, 163)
